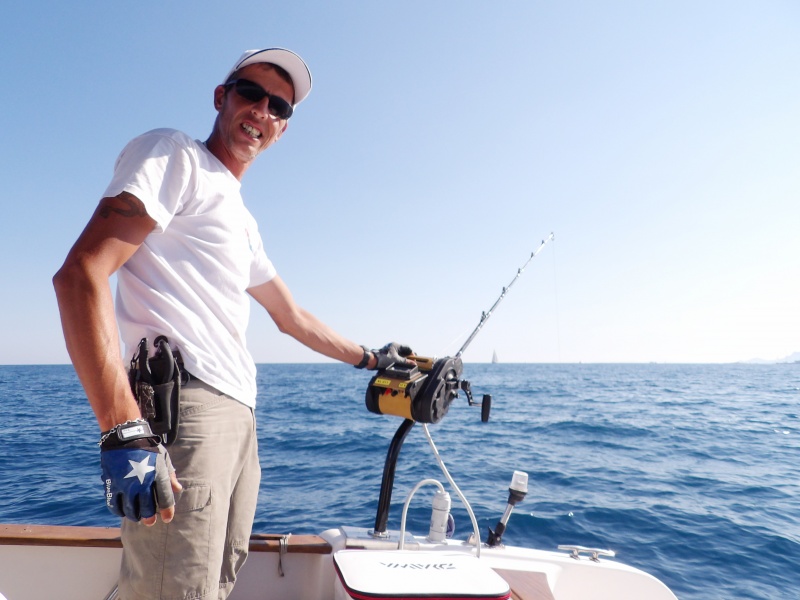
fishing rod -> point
(423, 392)
(485, 316)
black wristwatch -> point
(126, 432)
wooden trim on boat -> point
(59, 535)
(108, 537)
(305, 544)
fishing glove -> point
(136, 470)
(390, 354)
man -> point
(187, 252)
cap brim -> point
(286, 59)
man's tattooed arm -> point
(124, 204)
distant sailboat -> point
(494, 357)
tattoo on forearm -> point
(133, 207)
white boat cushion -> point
(400, 574)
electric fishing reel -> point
(422, 392)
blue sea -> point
(690, 472)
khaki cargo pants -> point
(198, 554)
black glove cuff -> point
(364, 359)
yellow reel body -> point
(422, 393)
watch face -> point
(131, 431)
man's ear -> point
(219, 96)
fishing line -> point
(459, 336)
(555, 294)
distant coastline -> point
(791, 359)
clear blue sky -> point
(443, 140)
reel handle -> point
(485, 404)
(424, 363)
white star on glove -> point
(140, 469)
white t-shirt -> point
(189, 279)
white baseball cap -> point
(286, 59)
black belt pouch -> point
(156, 385)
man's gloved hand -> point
(136, 473)
(390, 354)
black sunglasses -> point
(252, 92)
